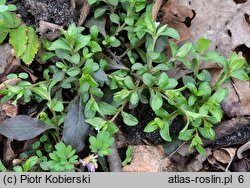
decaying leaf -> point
(197, 163)
(8, 153)
(9, 109)
(224, 155)
(215, 163)
(22, 128)
(8, 63)
(174, 15)
(147, 159)
(224, 22)
(75, 129)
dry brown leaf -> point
(174, 16)
(224, 22)
(11, 82)
(215, 163)
(8, 63)
(156, 8)
(9, 109)
(8, 153)
(147, 159)
(224, 155)
(197, 163)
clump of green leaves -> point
(27, 166)
(99, 73)
(62, 159)
(23, 38)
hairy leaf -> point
(32, 46)
(18, 39)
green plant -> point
(21, 37)
(62, 159)
(27, 166)
(98, 74)
(128, 158)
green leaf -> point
(200, 149)
(240, 74)
(217, 58)
(73, 71)
(173, 47)
(18, 169)
(18, 39)
(203, 45)
(151, 127)
(99, 12)
(95, 47)
(96, 122)
(156, 101)
(59, 44)
(186, 134)
(129, 119)
(184, 50)
(107, 109)
(41, 92)
(164, 132)
(32, 46)
(23, 75)
(170, 32)
(114, 18)
(81, 42)
(134, 98)
(220, 95)
(148, 79)
(57, 105)
(91, 2)
(101, 143)
(237, 63)
(128, 158)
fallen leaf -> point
(224, 155)
(241, 165)
(10, 109)
(8, 153)
(75, 129)
(197, 163)
(174, 16)
(8, 63)
(156, 8)
(22, 128)
(215, 163)
(225, 23)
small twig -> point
(84, 13)
(115, 57)
(243, 148)
(177, 149)
(156, 9)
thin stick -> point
(84, 13)
(156, 9)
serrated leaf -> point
(32, 46)
(22, 128)
(75, 129)
(18, 39)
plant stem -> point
(119, 111)
(150, 61)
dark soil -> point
(54, 11)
